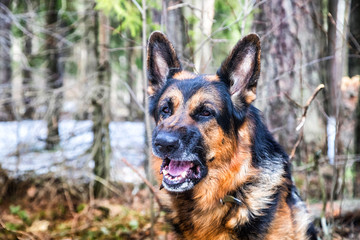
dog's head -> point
(197, 116)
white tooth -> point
(183, 174)
(164, 172)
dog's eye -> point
(165, 110)
(205, 113)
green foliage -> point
(22, 214)
(80, 207)
(139, 62)
(13, 227)
(125, 11)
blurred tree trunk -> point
(357, 149)
(55, 71)
(293, 43)
(354, 39)
(28, 88)
(86, 64)
(101, 104)
(203, 29)
(131, 81)
(174, 24)
(6, 110)
(354, 69)
(333, 78)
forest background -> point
(74, 126)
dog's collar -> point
(231, 199)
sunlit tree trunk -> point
(292, 45)
(6, 110)
(335, 67)
(101, 104)
(86, 52)
(203, 29)
(54, 73)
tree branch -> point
(151, 187)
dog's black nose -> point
(166, 143)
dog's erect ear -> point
(161, 61)
(241, 70)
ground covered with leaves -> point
(50, 208)
(47, 208)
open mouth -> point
(179, 176)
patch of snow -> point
(22, 149)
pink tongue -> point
(178, 167)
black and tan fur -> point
(207, 130)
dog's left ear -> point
(241, 70)
(162, 61)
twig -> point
(293, 150)
(69, 201)
(151, 187)
(141, 10)
(306, 107)
(303, 118)
(105, 183)
(180, 5)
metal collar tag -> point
(232, 199)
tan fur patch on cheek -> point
(230, 168)
(214, 139)
(156, 165)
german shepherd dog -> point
(224, 175)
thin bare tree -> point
(55, 72)
(6, 109)
(101, 149)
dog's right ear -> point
(162, 61)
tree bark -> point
(101, 104)
(293, 43)
(55, 71)
(6, 109)
(174, 23)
